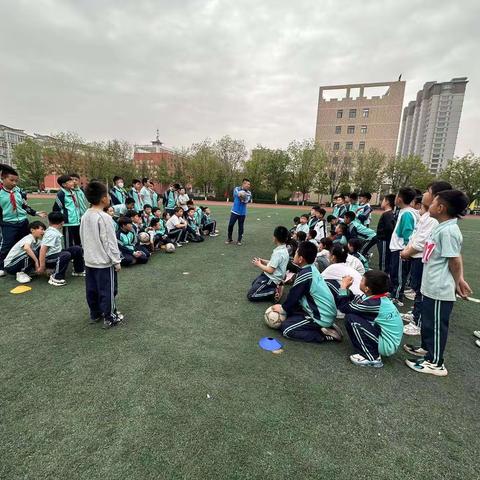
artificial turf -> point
(182, 390)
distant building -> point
(9, 138)
(365, 116)
(430, 123)
(154, 155)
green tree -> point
(202, 165)
(464, 174)
(65, 153)
(337, 172)
(407, 172)
(30, 161)
(254, 168)
(368, 170)
(275, 170)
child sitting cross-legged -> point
(267, 285)
(177, 227)
(372, 321)
(193, 230)
(52, 255)
(310, 306)
(127, 243)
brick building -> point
(154, 155)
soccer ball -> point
(144, 238)
(274, 319)
(242, 195)
(169, 248)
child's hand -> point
(257, 261)
(277, 308)
(42, 214)
(347, 282)
(117, 267)
(404, 254)
(137, 254)
(463, 288)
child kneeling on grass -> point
(102, 257)
(310, 306)
(267, 286)
(372, 321)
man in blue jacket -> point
(241, 197)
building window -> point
(352, 113)
(349, 146)
(365, 112)
(363, 129)
(339, 113)
(336, 146)
(361, 146)
(351, 129)
(338, 129)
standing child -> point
(52, 255)
(372, 321)
(385, 228)
(267, 285)
(14, 212)
(102, 257)
(182, 200)
(364, 211)
(136, 194)
(77, 189)
(310, 306)
(170, 199)
(407, 219)
(118, 195)
(442, 277)
(68, 204)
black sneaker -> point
(107, 324)
(228, 242)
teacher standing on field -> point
(241, 197)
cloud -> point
(197, 69)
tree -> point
(254, 167)
(202, 165)
(368, 176)
(65, 153)
(29, 160)
(307, 160)
(275, 168)
(337, 172)
(464, 174)
(407, 172)
(231, 154)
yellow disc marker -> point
(20, 289)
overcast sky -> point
(196, 69)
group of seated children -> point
(328, 284)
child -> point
(442, 277)
(136, 194)
(385, 228)
(77, 189)
(110, 211)
(371, 320)
(310, 306)
(137, 222)
(148, 194)
(177, 227)
(354, 246)
(339, 209)
(296, 221)
(182, 199)
(364, 211)
(127, 244)
(14, 212)
(23, 257)
(68, 205)
(209, 225)
(300, 237)
(118, 196)
(312, 237)
(407, 219)
(193, 231)
(158, 232)
(352, 202)
(333, 221)
(267, 285)
(317, 221)
(147, 215)
(340, 236)
(129, 205)
(323, 255)
(414, 251)
(357, 230)
(102, 257)
(52, 254)
(170, 199)
(303, 225)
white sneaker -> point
(214, 234)
(79, 274)
(411, 329)
(477, 333)
(2, 273)
(407, 317)
(361, 361)
(56, 283)
(178, 245)
(22, 277)
(422, 366)
(340, 315)
(477, 343)
(410, 295)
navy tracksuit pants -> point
(10, 234)
(101, 289)
(416, 271)
(61, 260)
(434, 328)
(364, 335)
(399, 270)
(384, 256)
(263, 288)
(233, 220)
(299, 326)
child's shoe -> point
(361, 361)
(413, 350)
(477, 333)
(423, 366)
(2, 273)
(79, 274)
(56, 283)
(332, 334)
(22, 277)
(407, 317)
(411, 329)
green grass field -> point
(79, 402)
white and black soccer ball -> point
(144, 238)
(169, 248)
(274, 319)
